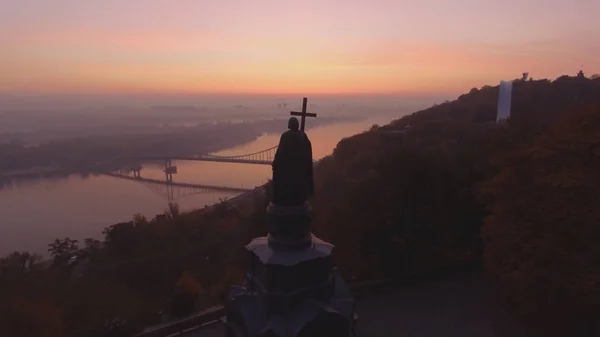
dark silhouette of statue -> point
(293, 167)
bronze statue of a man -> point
(293, 167)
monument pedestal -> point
(291, 288)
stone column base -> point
(289, 227)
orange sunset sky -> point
(310, 46)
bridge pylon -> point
(169, 170)
(136, 172)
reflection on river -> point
(34, 212)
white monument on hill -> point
(504, 101)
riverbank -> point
(31, 172)
(37, 209)
(96, 159)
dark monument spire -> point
(291, 288)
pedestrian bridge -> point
(263, 157)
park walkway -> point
(459, 306)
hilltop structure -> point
(291, 288)
(504, 101)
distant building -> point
(580, 74)
(525, 76)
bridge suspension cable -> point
(263, 155)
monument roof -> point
(318, 249)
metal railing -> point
(359, 289)
(215, 315)
(208, 316)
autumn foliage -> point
(542, 234)
(413, 197)
(442, 188)
(143, 273)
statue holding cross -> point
(293, 164)
(303, 114)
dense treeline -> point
(144, 272)
(416, 201)
(449, 189)
(542, 233)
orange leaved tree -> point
(541, 237)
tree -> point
(139, 219)
(541, 234)
(173, 210)
(62, 250)
(122, 236)
(20, 260)
(32, 316)
(187, 290)
(91, 246)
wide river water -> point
(34, 212)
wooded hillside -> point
(450, 189)
(415, 202)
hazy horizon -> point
(294, 48)
(100, 101)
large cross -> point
(303, 113)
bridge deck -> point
(161, 182)
(208, 158)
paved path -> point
(461, 306)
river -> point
(34, 212)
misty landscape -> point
(48, 148)
(278, 169)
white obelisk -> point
(504, 101)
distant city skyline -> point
(290, 47)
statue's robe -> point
(293, 169)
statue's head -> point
(293, 123)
